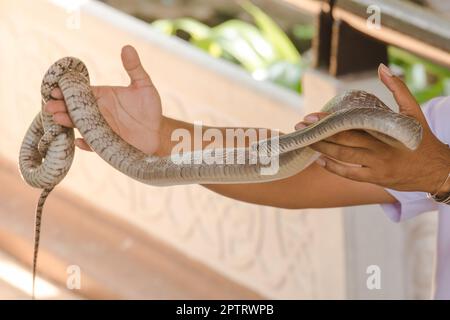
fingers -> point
(132, 64)
(350, 172)
(342, 153)
(350, 138)
(355, 138)
(55, 106)
(404, 98)
(81, 143)
(58, 105)
(59, 111)
(310, 118)
(57, 94)
(62, 118)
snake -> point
(47, 150)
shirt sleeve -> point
(411, 204)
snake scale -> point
(47, 150)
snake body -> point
(47, 150)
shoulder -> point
(437, 113)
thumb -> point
(132, 64)
(405, 100)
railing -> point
(343, 26)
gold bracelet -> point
(445, 198)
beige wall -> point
(278, 253)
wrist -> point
(445, 188)
(164, 138)
(442, 175)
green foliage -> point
(273, 33)
(268, 54)
(264, 50)
(426, 80)
(304, 31)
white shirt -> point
(411, 204)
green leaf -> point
(241, 51)
(283, 73)
(304, 31)
(265, 51)
(208, 45)
(419, 73)
(430, 92)
(248, 38)
(273, 33)
(196, 30)
(401, 57)
(164, 26)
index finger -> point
(310, 118)
(57, 94)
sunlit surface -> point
(16, 282)
(69, 4)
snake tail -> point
(37, 234)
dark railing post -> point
(322, 41)
(353, 51)
(335, 43)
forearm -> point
(169, 125)
(307, 189)
(260, 193)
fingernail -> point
(385, 70)
(321, 162)
(311, 118)
(300, 126)
(53, 94)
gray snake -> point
(47, 150)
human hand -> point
(133, 112)
(423, 169)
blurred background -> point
(272, 40)
(262, 63)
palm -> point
(133, 112)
